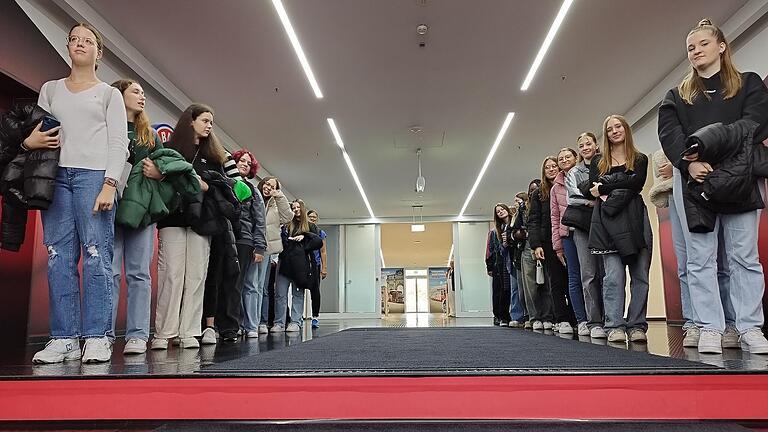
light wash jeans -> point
(614, 283)
(253, 293)
(591, 279)
(678, 223)
(282, 284)
(69, 229)
(133, 250)
(574, 278)
(516, 306)
(747, 283)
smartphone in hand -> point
(49, 123)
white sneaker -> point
(691, 338)
(538, 325)
(252, 334)
(190, 342)
(135, 346)
(754, 341)
(637, 335)
(159, 344)
(515, 324)
(565, 328)
(547, 325)
(209, 336)
(583, 329)
(555, 327)
(97, 350)
(277, 328)
(731, 337)
(597, 332)
(57, 351)
(710, 342)
(263, 329)
(617, 335)
(293, 327)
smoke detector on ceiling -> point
(422, 29)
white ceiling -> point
(377, 82)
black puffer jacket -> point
(220, 216)
(26, 178)
(297, 262)
(731, 187)
(539, 222)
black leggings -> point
(314, 292)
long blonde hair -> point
(145, 136)
(629, 146)
(693, 86)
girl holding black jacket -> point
(620, 230)
(716, 92)
(296, 268)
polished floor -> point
(663, 340)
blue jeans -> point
(516, 306)
(574, 278)
(69, 229)
(253, 293)
(265, 298)
(678, 224)
(134, 249)
(282, 284)
(739, 240)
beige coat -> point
(278, 213)
(661, 188)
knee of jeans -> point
(52, 252)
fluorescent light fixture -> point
(418, 228)
(340, 143)
(381, 254)
(547, 42)
(297, 47)
(335, 133)
(357, 182)
(495, 146)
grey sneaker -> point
(292, 328)
(537, 325)
(263, 329)
(277, 328)
(565, 328)
(528, 325)
(731, 337)
(710, 342)
(159, 344)
(209, 336)
(597, 332)
(515, 324)
(57, 351)
(691, 339)
(252, 334)
(97, 350)
(617, 335)
(583, 329)
(754, 341)
(135, 346)
(547, 325)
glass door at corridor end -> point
(416, 290)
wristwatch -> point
(110, 181)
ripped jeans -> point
(69, 229)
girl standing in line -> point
(81, 219)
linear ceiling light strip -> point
(495, 146)
(297, 47)
(547, 42)
(340, 143)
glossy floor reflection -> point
(662, 340)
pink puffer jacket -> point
(558, 202)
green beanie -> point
(242, 191)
